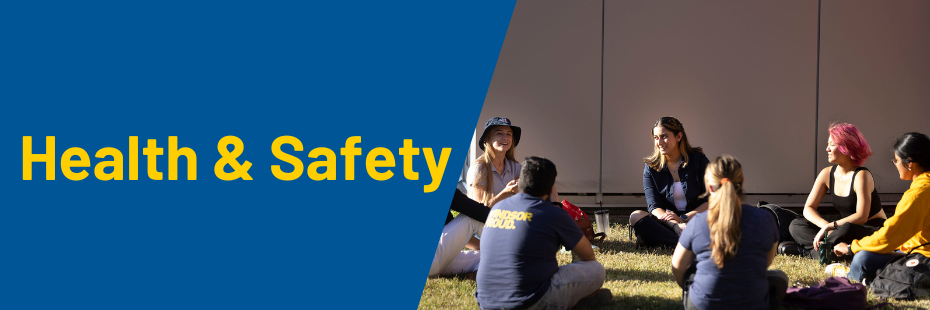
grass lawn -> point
(638, 278)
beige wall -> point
(547, 81)
(741, 76)
(875, 74)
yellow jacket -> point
(910, 225)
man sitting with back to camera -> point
(521, 237)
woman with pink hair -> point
(853, 191)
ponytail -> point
(725, 210)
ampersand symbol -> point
(229, 158)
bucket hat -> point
(499, 121)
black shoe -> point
(600, 298)
(809, 253)
(789, 248)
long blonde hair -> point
(485, 172)
(725, 174)
(656, 161)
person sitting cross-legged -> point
(722, 257)
(908, 229)
(519, 243)
(458, 233)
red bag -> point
(582, 220)
(573, 210)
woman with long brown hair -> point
(731, 246)
(673, 181)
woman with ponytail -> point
(723, 254)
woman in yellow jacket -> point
(909, 228)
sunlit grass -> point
(638, 278)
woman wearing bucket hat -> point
(673, 181)
(493, 176)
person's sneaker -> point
(789, 248)
(837, 270)
(600, 298)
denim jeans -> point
(865, 264)
(572, 283)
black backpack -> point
(783, 218)
(904, 277)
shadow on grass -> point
(644, 302)
(614, 274)
(615, 246)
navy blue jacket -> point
(658, 185)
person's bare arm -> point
(699, 209)
(862, 188)
(474, 244)
(508, 191)
(658, 212)
(681, 261)
(554, 195)
(814, 198)
(583, 250)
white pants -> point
(449, 258)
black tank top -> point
(847, 205)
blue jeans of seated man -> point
(572, 283)
(865, 264)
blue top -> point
(742, 283)
(658, 185)
(521, 237)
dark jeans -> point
(803, 231)
(655, 232)
(778, 286)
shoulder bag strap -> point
(912, 250)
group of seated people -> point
(722, 246)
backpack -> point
(832, 293)
(783, 218)
(904, 277)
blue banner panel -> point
(153, 104)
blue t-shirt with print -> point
(519, 242)
(741, 283)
